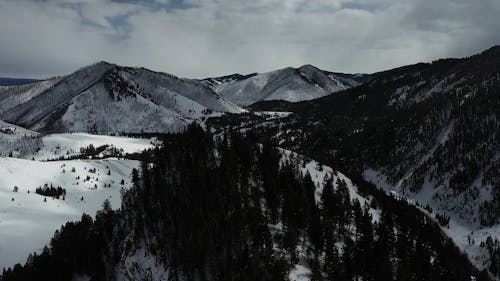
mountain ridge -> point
(289, 84)
(169, 100)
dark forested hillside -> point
(429, 132)
(229, 208)
(435, 124)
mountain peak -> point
(308, 66)
(103, 62)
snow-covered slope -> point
(216, 83)
(17, 141)
(319, 174)
(181, 95)
(466, 233)
(11, 130)
(108, 98)
(68, 145)
(12, 96)
(56, 98)
(28, 219)
(141, 265)
(289, 84)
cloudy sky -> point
(201, 38)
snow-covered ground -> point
(12, 96)
(141, 265)
(459, 230)
(10, 130)
(28, 220)
(17, 141)
(58, 145)
(273, 114)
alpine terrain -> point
(124, 173)
(289, 84)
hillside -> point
(404, 184)
(109, 98)
(233, 209)
(428, 132)
(17, 141)
(289, 84)
(85, 184)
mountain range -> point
(306, 174)
(98, 98)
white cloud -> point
(214, 37)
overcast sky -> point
(202, 38)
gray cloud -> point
(200, 38)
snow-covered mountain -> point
(290, 84)
(108, 98)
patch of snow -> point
(69, 144)
(300, 273)
(141, 265)
(274, 114)
(319, 173)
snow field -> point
(28, 220)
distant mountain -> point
(289, 84)
(108, 98)
(216, 82)
(4, 81)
